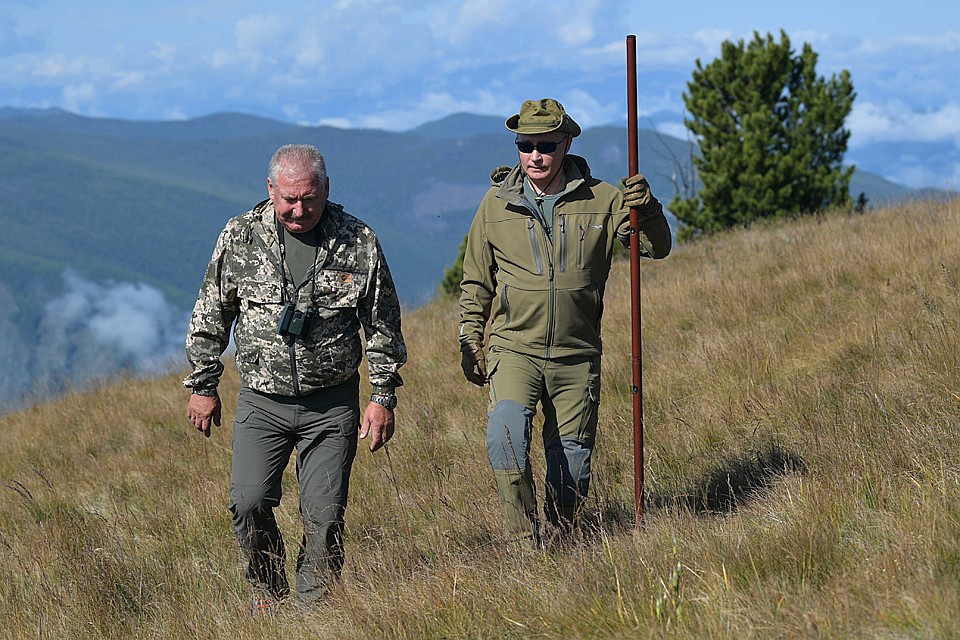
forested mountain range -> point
(106, 225)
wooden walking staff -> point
(635, 285)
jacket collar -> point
(266, 223)
(265, 228)
(575, 169)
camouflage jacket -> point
(244, 284)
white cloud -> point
(133, 321)
(11, 40)
(655, 50)
(220, 58)
(575, 34)
(164, 54)
(338, 123)
(455, 25)
(591, 112)
(896, 121)
(577, 31)
(256, 37)
(58, 65)
(948, 42)
(675, 129)
(432, 106)
(912, 172)
(129, 79)
(78, 97)
(175, 113)
(711, 39)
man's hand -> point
(473, 363)
(378, 423)
(636, 192)
(202, 411)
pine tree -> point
(771, 136)
(450, 285)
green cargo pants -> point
(568, 391)
(323, 428)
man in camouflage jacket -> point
(537, 259)
(297, 278)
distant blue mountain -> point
(216, 126)
(460, 125)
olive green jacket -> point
(543, 293)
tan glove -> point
(636, 193)
(473, 363)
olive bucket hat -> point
(542, 116)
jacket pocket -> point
(505, 304)
(588, 237)
(338, 290)
(589, 413)
(334, 338)
(577, 317)
(260, 305)
(493, 363)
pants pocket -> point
(591, 404)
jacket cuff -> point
(209, 392)
(383, 390)
(652, 209)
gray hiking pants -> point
(322, 428)
(568, 392)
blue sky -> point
(395, 64)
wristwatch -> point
(387, 400)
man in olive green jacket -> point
(537, 259)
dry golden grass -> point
(802, 463)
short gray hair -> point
(297, 156)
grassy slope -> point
(802, 448)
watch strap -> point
(387, 400)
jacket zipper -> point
(563, 243)
(293, 358)
(552, 293)
(538, 260)
(538, 263)
(293, 367)
(535, 245)
(551, 313)
(293, 343)
(505, 305)
(583, 232)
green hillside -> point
(802, 472)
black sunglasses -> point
(543, 147)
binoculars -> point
(294, 322)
